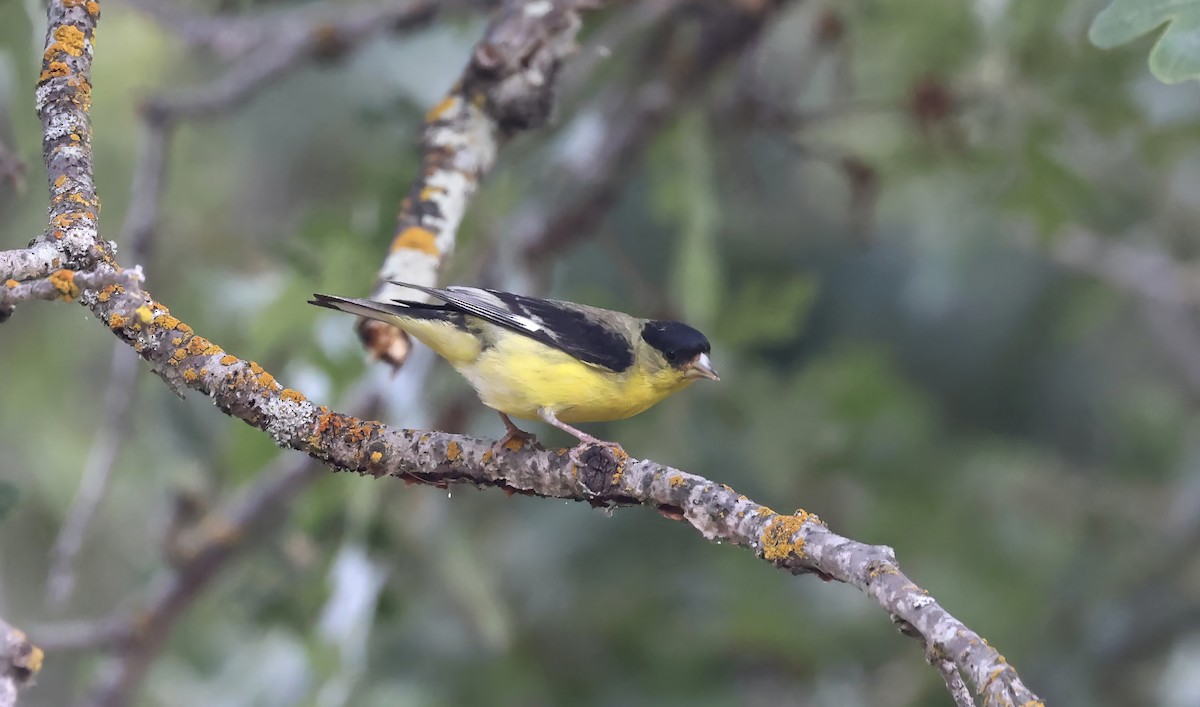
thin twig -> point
(954, 681)
(97, 470)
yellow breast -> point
(518, 375)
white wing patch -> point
(559, 324)
(502, 309)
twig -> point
(146, 190)
(97, 471)
(37, 261)
(953, 679)
(507, 87)
(64, 97)
(66, 285)
(20, 662)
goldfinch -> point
(559, 362)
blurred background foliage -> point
(863, 212)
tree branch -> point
(65, 285)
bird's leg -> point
(511, 432)
(585, 440)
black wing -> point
(557, 324)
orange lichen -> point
(199, 346)
(292, 396)
(54, 70)
(417, 238)
(453, 451)
(67, 38)
(327, 421)
(177, 341)
(488, 455)
(166, 321)
(376, 457)
(116, 321)
(780, 539)
(189, 375)
(228, 360)
(64, 282)
(514, 444)
(675, 480)
(92, 7)
(11, 284)
(357, 431)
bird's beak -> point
(701, 367)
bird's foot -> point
(515, 438)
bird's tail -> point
(383, 311)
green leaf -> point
(9, 495)
(1176, 54)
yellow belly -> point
(518, 376)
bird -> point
(543, 359)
